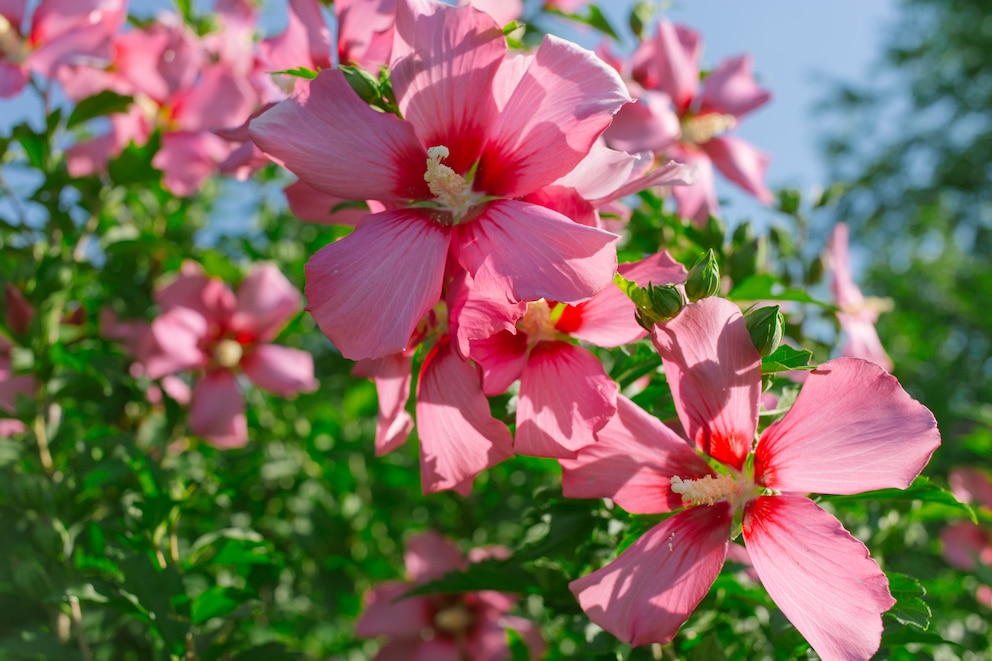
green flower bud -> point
(659, 305)
(766, 326)
(704, 277)
(365, 84)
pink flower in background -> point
(565, 393)
(468, 626)
(365, 32)
(852, 429)
(966, 545)
(857, 315)
(687, 121)
(61, 32)
(206, 327)
(18, 314)
(480, 131)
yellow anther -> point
(537, 321)
(227, 353)
(447, 186)
(700, 129)
(705, 490)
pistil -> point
(449, 188)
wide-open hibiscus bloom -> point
(443, 627)
(857, 314)
(852, 429)
(688, 121)
(206, 327)
(480, 131)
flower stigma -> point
(700, 129)
(455, 619)
(12, 46)
(450, 189)
(227, 353)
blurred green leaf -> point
(102, 103)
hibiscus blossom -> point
(852, 428)
(206, 327)
(677, 116)
(964, 544)
(480, 131)
(469, 627)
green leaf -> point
(98, 105)
(489, 574)
(33, 144)
(785, 359)
(216, 601)
(921, 489)
(910, 607)
(764, 286)
(299, 72)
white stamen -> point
(537, 322)
(227, 353)
(454, 620)
(701, 129)
(705, 490)
(447, 186)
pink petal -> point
(846, 291)
(564, 101)
(971, 485)
(335, 142)
(430, 555)
(633, 462)
(187, 160)
(195, 290)
(266, 301)
(818, 574)
(532, 252)
(862, 339)
(368, 290)
(475, 313)
(852, 429)
(603, 170)
(279, 370)
(220, 99)
(73, 32)
(648, 124)
(174, 343)
(13, 11)
(714, 373)
(565, 395)
(502, 11)
(391, 375)
(442, 74)
(566, 201)
(9, 427)
(13, 78)
(502, 357)
(459, 438)
(964, 545)
(667, 174)
(19, 311)
(730, 89)
(217, 411)
(314, 206)
(162, 59)
(740, 162)
(697, 201)
(11, 387)
(306, 41)
(670, 63)
(647, 593)
(365, 32)
(386, 613)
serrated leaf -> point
(910, 607)
(766, 287)
(921, 489)
(98, 105)
(785, 359)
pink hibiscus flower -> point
(206, 327)
(857, 315)
(443, 627)
(852, 428)
(565, 394)
(61, 32)
(480, 131)
(688, 122)
(966, 545)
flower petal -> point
(314, 206)
(531, 252)
(266, 301)
(818, 574)
(476, 313)
(387, 613)
(564, 102)
(853, 428)
(565, 395)
(443, 77)
(714, 373)
(647, 593)
(730, 89)
(502, 357)
(696, 201)
(649, 124)
(670, 63)
(392, 376)
(335, 142)
(368, 290)
(280, 370)
(632, 461)
(217, 410)
(430, 555)
(173, 343)
(459, 438)
(742, 163)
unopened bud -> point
(365, 84)
(766, 326)
(660, 304)
(704, 277)
(19, 311)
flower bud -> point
(658, 304)
(365, 84)
(704, 277)
(766, 326)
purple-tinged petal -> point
(714, 373)
(565, 396)
(13, 78)
(563, 103)
(972, 486)
(335, 142)
(818, 574)
(965, 545)
(730, 89)
(429, 556)
(633, 462)
(266, 301)
(459, 438)
(647, 593)
(19, 311)
(280, 370)
(217, 410)
(392, 376)
(387, 613)
(532, 252)
(11, 387)
(443, 77)
(852, 428)
(368, 290)
(742, 163)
